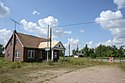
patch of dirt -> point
(40, 76)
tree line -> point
(101, 51)
(1, 49)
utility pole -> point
(77, 49)
(69, 49)
(50, 42)
(47, 43)
(48, 32)
(14, 38)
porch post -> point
(52, 55)
(47, 55)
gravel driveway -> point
(97, 74)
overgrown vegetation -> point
(16, 72)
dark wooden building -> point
(23, 47)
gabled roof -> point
(53, 43)
(29, 40)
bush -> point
(16, 65)
(51, 63)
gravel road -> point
(97, 74)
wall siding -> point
(9, 49)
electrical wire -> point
(88, 22)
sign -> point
(110, 59)
(47, 49)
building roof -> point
(44, 44)
(30, 41)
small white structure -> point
(75, 56)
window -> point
(59, 45)
(31, 53)
(17, 54)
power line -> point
(88, 22)
(82, 23)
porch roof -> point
(55, 45)
(44, 44)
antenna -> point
(14, 22)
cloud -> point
(59, 32)
(73, 41)
(116, 27)
(40, 28)
(73, 45)
(36, 13)
(67, 32)
(33, 27)
(107, 15)
(50, 20)
(91, 44)
(107, 43)
(120, 3)
(4, 36)
(4, 10)
(81, 31)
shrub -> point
(16, 65)
(51, 63)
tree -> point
(77, 49)
(73, 52)
(120, 51)
(98, 51)
(92, 53)
(1, 49)
(86, 51)
(103, 51)
(124, 53)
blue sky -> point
(63, 12)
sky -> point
(34, 17)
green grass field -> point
(17, 72)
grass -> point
(122, 66)
(17, 72)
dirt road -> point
(97, 74)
